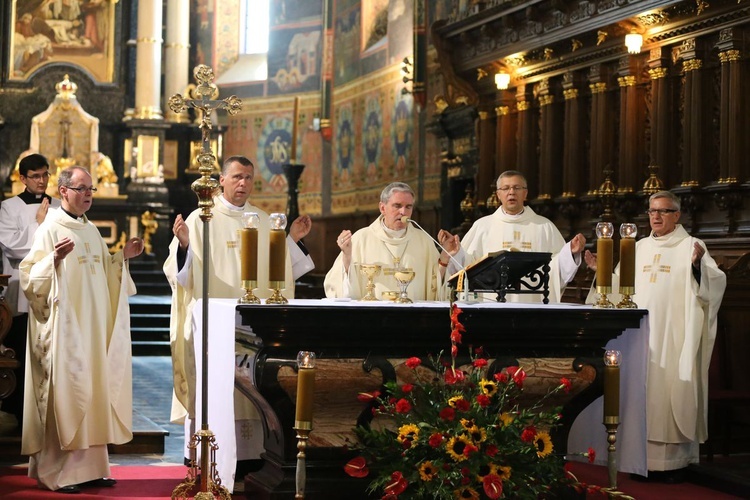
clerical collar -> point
(31, 198)
(72, 215)
(519, 214)
(230, 206)
(392, 233)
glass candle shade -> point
(604, 247)
(628, 232)
(277, 250)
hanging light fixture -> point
(634, 42)
(502, 80)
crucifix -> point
(65, 133)
(205, 101)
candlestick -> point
(628, 232)
(604, 245)
(304, 410)
(611, 419)
(249, 257)
(277, 258)
(295, 121)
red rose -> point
(357, 467)
(565, 383)
(501, 377)
(403, 406)
(436, 439)
(491, 450)
(518, 375)
(479, 363)
(528, 434)
(448, 414)
(366, 397)
(407, 388)
(483, 400)
(413, 362)
(493, 486)
(462, 405)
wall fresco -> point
(294, 60)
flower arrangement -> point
(457, 433)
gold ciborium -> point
(370, 271)
(403, 278)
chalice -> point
(370, 271)
(403, 278)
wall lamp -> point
(634, 41)
(502, 80)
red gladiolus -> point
(366, 397)
(592, 455)
(397, 485)
(501, 377)
(403, 406)
(479, 363)
(518, 375)
(455, 313)
(454, 351)
(357, 467)
(407, 388)
(448, 414)
(491, 450)
(493, 486)
(528, 434)
(413, 362)
(436, 439)
(483, 400)
(566, 384)
(453, 376)
(456, 336)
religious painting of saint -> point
(402, 133)
(274, 149)
(372, 134)
(76, 32)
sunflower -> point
(477, 434)
(427, 471)
(468, 423)
(489, 387)
(486, 470)
(543, 444)
(506, 418)
(466, 492)
(504, 472)
(408, 431)
(455, 447)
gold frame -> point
(101, 73)
(148, 150)
(195, 149)
(171, 156)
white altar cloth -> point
(587, 431)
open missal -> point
(508, 271)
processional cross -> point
(206, 101)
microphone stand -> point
(461, 268)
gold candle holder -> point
(303, 414)
(604, 244)
(249, 297)
(628, 232)
(611, 419)
(276, 296)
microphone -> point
(406, 220)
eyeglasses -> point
(661, 211)
(38, 177)
(82, 189)
(505, 189)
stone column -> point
(527, 139)
(506, 140)
(601, 133)
(176, 53)
(694, 140)
(486, 156)
(733, 147)
(631, 135)
(148, 61)
(661, 144)
(574, 165)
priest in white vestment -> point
(184, 271)
(78, 371)
(682, 287)
(516, 227)
(390, 242)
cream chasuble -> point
(371, 245)
(682, 319)
(527, 232)
(78, 392)
(224, 282)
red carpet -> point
(141, 482)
